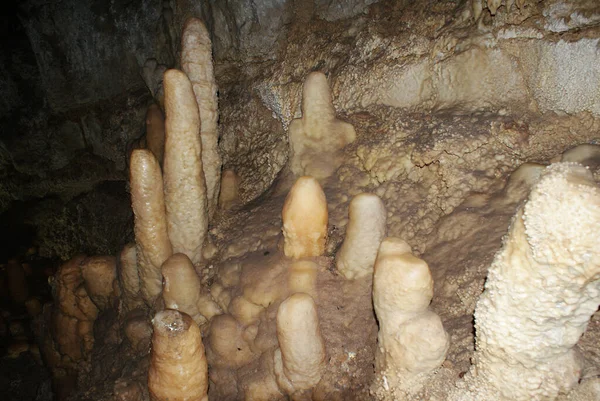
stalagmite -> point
(196, 62)
(365, 231)
(183, 291)
(152, 240)
(541, 290)
(178, 368)
(300, 359)
(412, 341)
(72, 318)
(305, 219)
(184, 185)
(317, 137)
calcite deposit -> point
(390, 201)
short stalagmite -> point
(412, 341)
(183, 291)
(305, 219)
(178, 368)
(364, 233)
(300, 359)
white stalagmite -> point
(196, 62)
(541, 290)
(412, 341)
(365, 231)
(151, 238)
(184, 185)
(300, 359)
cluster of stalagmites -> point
(545, 280)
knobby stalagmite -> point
(196, 62)
(541, 290)
(412, 341)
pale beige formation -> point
(261, 385)
(541, 290)
(364, 233)
(127, 271)
(244, 311)
(155, 132)
(316, 139)
(178, 368)
(184, 185)
(183, 291)
(305, 218)
(519, 184)
(586, 154)
(227, 344)
(196, 62)
(71, 320)
(151, 237)
(230, 188)
(412, 341)
(264, 285)
(303, 277)
(99, 275)
(300, 358)
(17, 282)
